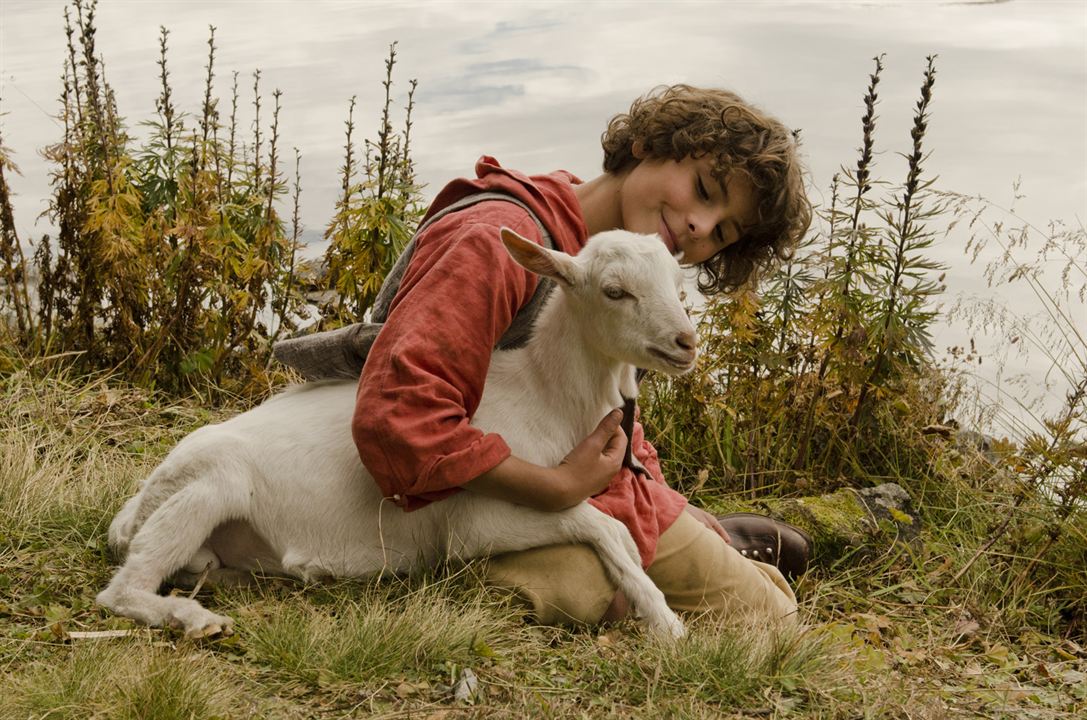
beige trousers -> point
(695, 569)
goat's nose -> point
(687, 340)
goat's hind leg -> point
(169, 538)
(123, 526)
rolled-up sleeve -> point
(424, 376)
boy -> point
(721, 185)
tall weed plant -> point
(1038, 535)
(828, 379)
(173, 263)
(376, 213)
(821, 380)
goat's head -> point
(625, 289)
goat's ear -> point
(549, 263)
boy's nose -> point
(701, 225)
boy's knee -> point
(700, 573)
(697, 572)
(558, 584)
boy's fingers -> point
(606, 428)
(617, 444)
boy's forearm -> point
(585, 471)
(523, 483)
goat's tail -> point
(124, 525)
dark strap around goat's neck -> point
(627, 424)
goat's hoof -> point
(668, 627)
(198, 622)
(677, 630)
(213, 629)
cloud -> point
(466, 94)
(507, 29)
(480, 86)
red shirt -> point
(424, 375)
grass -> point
(135, 680)
(889, 639)
(387, 632)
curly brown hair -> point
(679, 121)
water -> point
(534, 84)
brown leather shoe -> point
(771, 541)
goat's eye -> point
(616, 293)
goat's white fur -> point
(281, 489)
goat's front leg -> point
(498, 527)
(612, 541)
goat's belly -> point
(316, 510)
(332, 521)
(318, 523)
(309, 497)
(237, 545)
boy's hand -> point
(588, 469)
(709, 521)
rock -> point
(854, 524)
(890, 503)
(311, 274)
(972, 441)
(466, 687)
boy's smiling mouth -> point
(668, 237)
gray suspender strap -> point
(341, 353)
(392, 281)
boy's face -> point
(682, 202)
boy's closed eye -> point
(704, 193)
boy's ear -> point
(549, 263)
(637, 149)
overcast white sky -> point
(534, 83)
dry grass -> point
(885, 640)
(137, 680)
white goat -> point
(280, 489)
